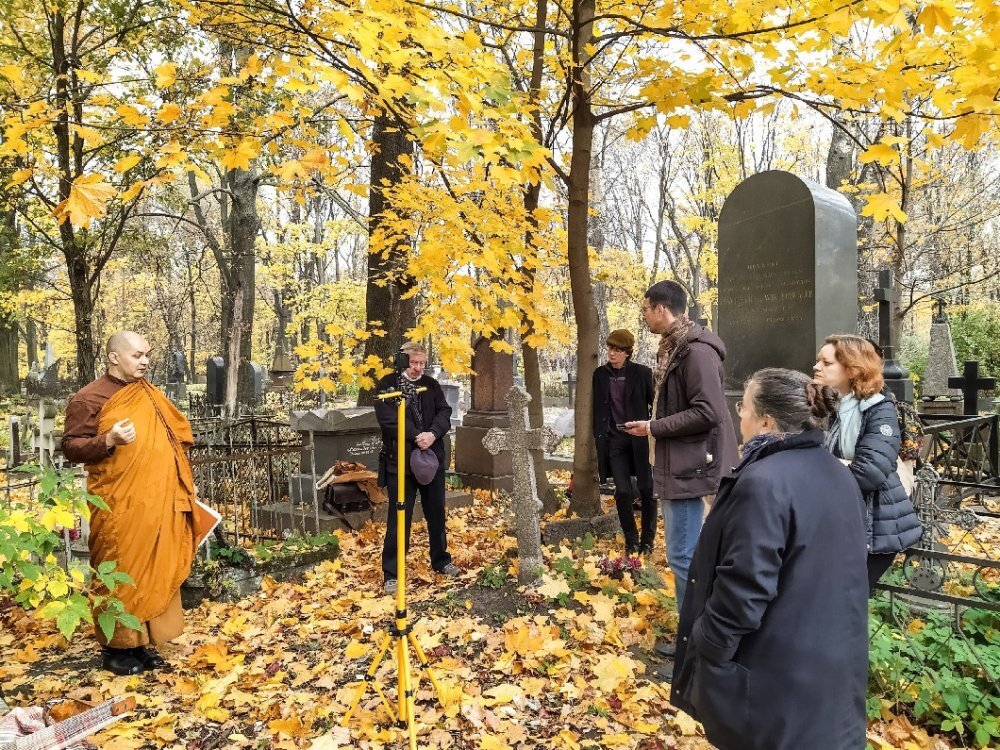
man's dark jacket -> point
(695, 439)
(434, 410)
(638, 399)
(772, 650)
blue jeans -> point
(682, 523)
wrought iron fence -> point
(245, 467)
(964, 450)
(935, 638)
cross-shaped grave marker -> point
(970, 384)
(896, 377)
(519, 440)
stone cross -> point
(43, 436)
(970, 384)
(519, 440)
(896, 377)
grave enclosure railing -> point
(949, 582)
(964, 450)
(241, 466)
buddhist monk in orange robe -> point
(134, 443)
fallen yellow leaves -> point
(279, 669)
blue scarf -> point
(848, 425)
(757, 442)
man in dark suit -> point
(623, 392)
(428, 420)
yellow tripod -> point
(402, 633)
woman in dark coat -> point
(864, 434)
(772, 650)
(623, 392)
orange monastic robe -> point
(147, 529)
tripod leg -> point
(427, 668)
(411, 720)
(369, 678)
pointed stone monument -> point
(937, 397)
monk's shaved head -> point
(122, 341)
(128, 355)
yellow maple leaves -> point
(87, 200)
(241, 156)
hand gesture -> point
(425, 440)
(121, 433)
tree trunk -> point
(83, 315)
(9, 381)
(586, 497)
(597, 235)
(529, 355)
(243, 228)
(70, 164)
(384, 303)
(193, 312)
(31, 341)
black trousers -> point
(623, 465)
(432, 502)
(877, 565)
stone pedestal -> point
(493, 379)
(474, 465)
(944, 406)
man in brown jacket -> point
(691, 435)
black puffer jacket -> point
(893, 524)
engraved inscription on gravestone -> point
(787, 273)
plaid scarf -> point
(670, 344)
(409, 390)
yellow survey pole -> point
(403, 632)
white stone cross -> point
(519, 440)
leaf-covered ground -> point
(566, 665)
(560, 667)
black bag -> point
(341, 499)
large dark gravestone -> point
(788, 273)
(215, 391)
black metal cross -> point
(970, 384)
(883, 295)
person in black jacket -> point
(428, 420)
(623, 392)
(772, 650)
(865, 435)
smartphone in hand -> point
(623, 426)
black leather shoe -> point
(121, 661)
(149, 658)
(645, 550)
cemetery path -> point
(567, 665)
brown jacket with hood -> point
(695, 443)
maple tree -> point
(80, 173)
(663, 62)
